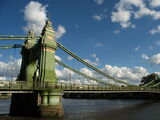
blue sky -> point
(119, 33)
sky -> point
(120, 37)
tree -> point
(152, 77)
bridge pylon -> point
(38, 68)
(51, 100)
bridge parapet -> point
(47, 86)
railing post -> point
(9, 85)
(56, 86)
(61, 86)
(21, 85)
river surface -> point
(85, 109)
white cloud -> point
(144, 56)
(98, 44)
(155, 59)
(95, 63)
(58, 58)
(64, 73)
(116, 31)
(155, 30)
(97, 17)
(157, 43)
(137, 48)
(60, 32)
(122, 17)
(127, 9)
(87, 71)
(94, 55)
(154, 3)
(99, 2)
(35, 15)
(10, 70)
(150, 47)
(97, 60)
(70, 58)
(133, 75)
(67, 76)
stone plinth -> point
(44, 104)
(51, 104)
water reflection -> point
(83, 109)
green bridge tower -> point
(38, 66)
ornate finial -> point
(31, 33)
(48, 24)
(48, 27)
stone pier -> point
(24, 104)
(51, 104)
(44, 104)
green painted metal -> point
(48, 47)
(84, 62)
(14, 36)
(50, 44)
(48, 88)
(44, 98)
(45, 58)
(6, 47)
(10, 46)
(28, 71)
(54, 97)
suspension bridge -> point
(35, 85)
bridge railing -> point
(83, 87)
(24, 85)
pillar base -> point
(24, 104)
(51, 111)
(48, 104)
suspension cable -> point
(11, 37)
(91, 66)
(80, 73)
(10, 46)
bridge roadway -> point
(29, 87)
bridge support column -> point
(44, 97)
(54, 107)
(24, 104)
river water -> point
(86, 109)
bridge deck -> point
(24, 87)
